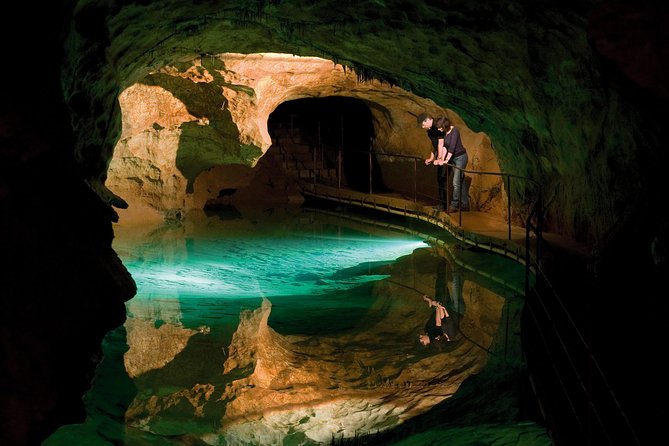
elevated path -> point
(574, 376)
(307, 165)
(479, 229)
(572, 384)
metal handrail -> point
(533, 225)
(536, 210)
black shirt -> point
(435, 135)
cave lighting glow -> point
(293, 264)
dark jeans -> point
(459, 183)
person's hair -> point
(422, 117)
(442, 122)
(434, 345)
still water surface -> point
(298, 327)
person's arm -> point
(430, 159)
(441, 153)
(449, 153)
(450, 147)
(432, 302)
(438, 316)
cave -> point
(539, 91)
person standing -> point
(437, 155)
(447, 148)
(457, 154)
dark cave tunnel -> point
(330, 124)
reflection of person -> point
(437, 155)
(450, 273)
(434, 330)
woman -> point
(456, 153)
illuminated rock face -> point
(330, 383)
(153, 344)
(526, 75)
(211, 118)
(273, 387)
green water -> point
(335, 355)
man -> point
(437, 155)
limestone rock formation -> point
(210, 118)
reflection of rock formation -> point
(155, 334)
(313, 388)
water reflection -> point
(292, 330)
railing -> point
(581, 396)
(533, 221)
(587, 397)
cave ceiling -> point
(526, 75)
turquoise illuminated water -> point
(294, 328)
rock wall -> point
(212, 116)
(526, 75)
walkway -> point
(478, 229)
(576, 399)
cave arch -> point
(327, 125)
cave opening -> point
(325, 126)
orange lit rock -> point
(210, 119)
